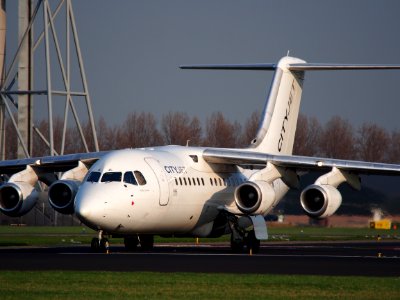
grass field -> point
(40, 236)
(115, 285)
(139, 285)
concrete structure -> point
(25, 76)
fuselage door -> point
(161, 178)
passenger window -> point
(176, 181)
(220, 181)
(180, 181)
(184, 179)
(211, 181)
(215, 181)
(190, 183)
(202, 181)
(111, 177)
(129, 178)
(93, 177)
(140, 178)
(198, 181)
(194, 181)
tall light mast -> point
(48, 39)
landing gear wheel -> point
(95, 245)
(131, 243)
(252, 243)
(237, 245)
(104, 245)
(146, 241)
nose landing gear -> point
(100, 244)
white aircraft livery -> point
(193, 191)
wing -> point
(318, 200)
(19, 194)
(297, 163)
(59, 163)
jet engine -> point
(254, 197)
(320, 201)
(17, 198)
(62, 195)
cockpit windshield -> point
(135, 178)
(140, 178)
(93, 177)
(129, 178)
(111, 176)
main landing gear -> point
(242, 240)
(146, 242)
(245, 242)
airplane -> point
(193, 191)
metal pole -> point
(40, 38)
(15, 126)
(83, 75)
(31, 82)
(48, 76)
(68, 96)
(20, 44)
(42, 137)
(3, 28)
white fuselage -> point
(180, 193)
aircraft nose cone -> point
(82, 211)
(87, 207)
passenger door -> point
(161, 179)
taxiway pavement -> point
(321, 258)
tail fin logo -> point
(286, 117)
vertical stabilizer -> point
(279, 118)
(277, 128)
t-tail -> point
(278, 122)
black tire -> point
(104, 244)
(146, 241)
(252, 243)
(95, 245)
(131, 243)
(236, 245)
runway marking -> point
(239, 255)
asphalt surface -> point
(327, 258)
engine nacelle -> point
(62, 195)
(17, 198)
(320, 201)
(255, 197)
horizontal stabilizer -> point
(328, 67)
(261, 67)
(294, 67)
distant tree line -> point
(336, 139)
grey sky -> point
(132, 50)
